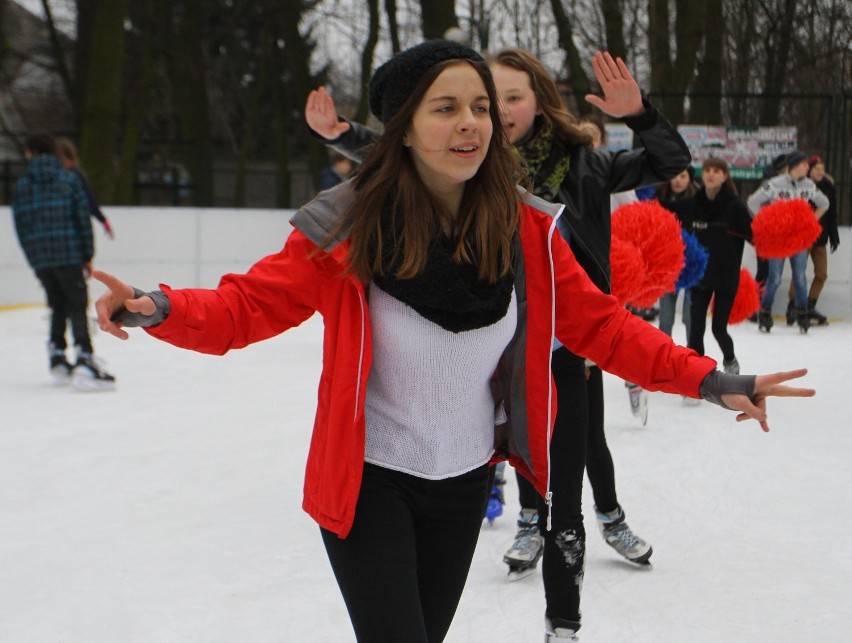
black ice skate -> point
(524, 554)
(60, 369)
(764, 320)
(816, 317)
(89, 375)
(803, 320)
(790, 313)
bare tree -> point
(672, 75)
(101, 118)
(437, 16)
(576, 75)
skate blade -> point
(91, 385)
(519, 573)
(60, 378)
(644, 562)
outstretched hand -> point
(766, 386)
(321, 115)
(118, 295)
(621, 94)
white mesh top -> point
(429, 408)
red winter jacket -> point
(554, 297)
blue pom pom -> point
(695, 261)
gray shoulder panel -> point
(318, 218)
(552, 209)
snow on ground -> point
(169, 510)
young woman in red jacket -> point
(563, 165)
(442, 288)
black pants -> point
(722, 305)
(762, 271)
(578, 444)
(403, 566)
(68, 298)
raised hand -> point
(621, 95)
(118, 295)
(321, 115)
(766, 386)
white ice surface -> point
(169, 510)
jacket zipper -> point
(548, 496)
(361, 354)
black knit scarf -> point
(446, 292)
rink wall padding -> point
(193, 247)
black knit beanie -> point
(393, 82)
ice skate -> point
(496, 499)
(790, 313)
(524, 554)
(559, 630)
(803, 320)
(494, 508)
(816, 317)
(764, 320)
(618, 535)
(60, 369)
(89, 375)
(638, 402)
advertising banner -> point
(748, 150)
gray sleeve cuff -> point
(717, 384)
(130, 320)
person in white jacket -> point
(794, 184)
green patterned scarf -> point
(546, 162)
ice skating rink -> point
(169, 510)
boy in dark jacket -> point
(55, 231)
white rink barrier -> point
(194, 247)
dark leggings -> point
(68, 298)
(578, 443)
(724, 302)
(403, 566)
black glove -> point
(834, 245)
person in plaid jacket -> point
(55, 231)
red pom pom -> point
(627, 269)
(656, 233)
(784, 228)
(747, 301)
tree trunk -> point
(291, 100)
(658, 45)
(59, 54)
(671, 78)
(140, 86)
(436, 17)
(778, 55)
(393, 25)
(580, 85)
(614, 23)
(363, 110)
(102, 101)
(707, 108)
(189, 79)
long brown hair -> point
(665, 194)
(553, 111)
(721, 164)
(387, 184)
